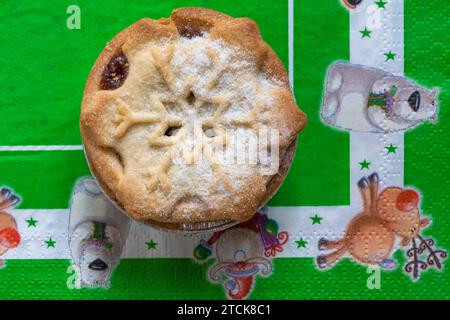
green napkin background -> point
(43, 69)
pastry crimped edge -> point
(240, 32)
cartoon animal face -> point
(9, 235)
(399, 209)
(95, 253)
(97, 234)
(415, 104)
(96, 266)
(352, 4)
(239, 252)
(239, 245)
(412, 103)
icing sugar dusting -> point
(225, 92)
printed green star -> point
(151, 244)
(31, 222)
(390, 55)
(365, 33)
(301, 243)
(381, 4)
(316, 219)
(364, 164)
(391, 148)
(50, 243)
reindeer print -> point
(370, 235)
(9, 236)
(352, 4)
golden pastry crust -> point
(196, 71)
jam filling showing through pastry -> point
(115, 73)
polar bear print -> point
(97, 234)
(364, 99)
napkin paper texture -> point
(45, 65)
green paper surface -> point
(44, 66)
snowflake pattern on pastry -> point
(158, 138)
